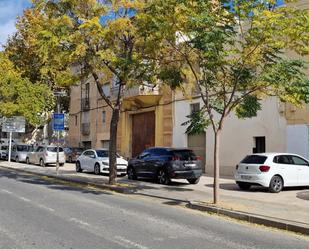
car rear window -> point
(254, 159)
(23, 147)
(54, 149)
(185, 155)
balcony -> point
(85, 104)
(85, 129)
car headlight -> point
(105, 163)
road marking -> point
(6, 191)
(130, 243)
(46, 208)
(80, 222)
(23, 199)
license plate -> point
(190, 164)
(245, 177)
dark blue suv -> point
(164, 164)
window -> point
(87, 91)
(260, 145)
(75, 120)
(283, 159)
(299, 161)
(104, 117)
(54, 149)
(194, 108)
(184, 155)
(254, 159)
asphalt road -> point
(37, 213)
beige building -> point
(146, 116)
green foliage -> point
(18, 96)
(197, 122)
(248, 108)
(234, 52)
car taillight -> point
(237, 167)
(199, 158)
(175, 158)
(264, 168)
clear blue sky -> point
(9, 10)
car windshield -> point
(185, 155)
(54, 149)
(104, 153)
(22, 147)
(254, 159)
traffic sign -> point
(58, 122)
(14, 124)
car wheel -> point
(17, 159)
(193, 180)
(27, 160)
(162, 177)
(244, 185)
(131, 174)
(42, 164)
(276, 184)
(78, 167)
(96, 169)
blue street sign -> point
(58, 122)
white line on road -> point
(46, 208)
(6, 191)
(80, 222)
(130, 243)
(24, 199)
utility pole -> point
(58, 135)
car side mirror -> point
(93, 156)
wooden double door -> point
(143, 132)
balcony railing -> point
(85, 104)
(141, 90)
(85, 129)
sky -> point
(9, 10)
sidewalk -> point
(290, 206)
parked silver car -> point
(44, 155)
(20, 151)
(3, 152)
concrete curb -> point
(115, 188)
(252, 218)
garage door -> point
(197, 143)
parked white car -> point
(97, 161)
(272, 170)
(45, 155)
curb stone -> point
(251, 218)
(118, 189)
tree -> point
(98, 37)
(232, 51)
(18, 96)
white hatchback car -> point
(272, 170)
(97, 161)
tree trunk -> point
(113, 146)
(216, 168)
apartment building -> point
(145, 119)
